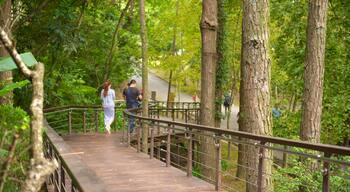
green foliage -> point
(288, 125)
(14, 120)
(10, 87)
(298, 176)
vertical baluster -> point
(189, 154)
(152, 144)
(96, 121)
(63, 178)
(139, 136)
(285, 156)
(84, 120)
(260, 166)
(168, 151)
(70, 121)
(217, 164)
(326, 171)
(158, 116)
(229, 149)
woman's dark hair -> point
(106, 88)
(132, 82)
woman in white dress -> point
(108, 97)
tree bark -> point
(144, 74)
(208, 27)
(174, 53)
(314, 71)
(5, 76)
(40, 167)
(221, 69)
(114, 41)
(255, 114)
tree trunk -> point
(221, 68)
(314, 71)
(114, 41)
(255, 114)
(174, 53)
(208, 27)
(5, 76)
(144, 75)
(40, 167)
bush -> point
(13, 121)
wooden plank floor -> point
(123, 169)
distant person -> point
(108, 97)
(227, 102)
(194, 98)
(132, 97)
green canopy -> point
(7, 64)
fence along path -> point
(177, 144)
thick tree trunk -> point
(314, 71)
(221, 68)
(208, 27)
(255, 114)
(5, 76)
(144, 75)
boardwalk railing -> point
(72, 175)
(254, 163)
(231, 160)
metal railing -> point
(266, 163)
(72, 175)
(231, 160)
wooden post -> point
(189, 155)
(168, 151)
(70, 121)
(229, 150)
(218, 165)
(152, 144)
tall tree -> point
(208, 25)
(40, 167)
(222, 65)
(143, 35)
(314, 71)
(255, 115)
(5, 22)
(114, 40)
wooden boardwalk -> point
(123, 169)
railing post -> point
(139, 136)
(152, 144)
(168, 151)
(217, 164)
(173, 114)
(70, 121)
(158, 116)
(96, 121)
(326, 170)
(186, 115)
(228, 149)
(63, 178)
(260, 166)
(189, 155)
(84, 121)
(285, 156)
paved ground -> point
(161, 87)
(122, 169)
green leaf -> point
(8, 88)
(3, 153)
